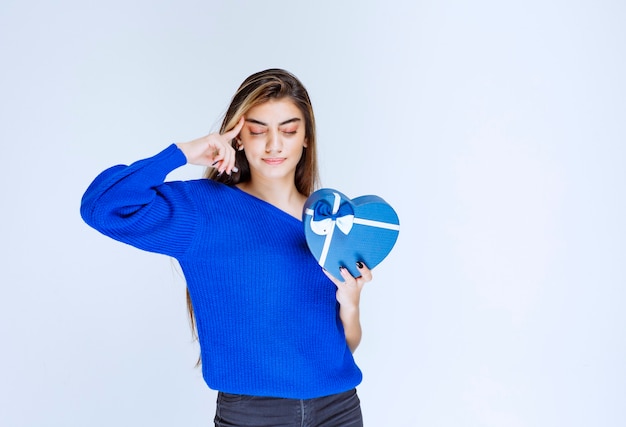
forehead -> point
(275, 111)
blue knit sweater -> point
(267, 316)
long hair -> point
(261, 87)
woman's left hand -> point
(349, 290)
(349, 296)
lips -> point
(272, 161)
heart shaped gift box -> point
(340, 231)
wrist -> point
(182, 147)
(349, 309)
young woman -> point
(276, 332)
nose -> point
(273, 144)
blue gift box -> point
(340, 231)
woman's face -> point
(273, 138)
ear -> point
(306, 143)
(239, 145)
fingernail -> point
(219, 174)
(235, 169)
(359, 264)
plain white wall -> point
(496, 129)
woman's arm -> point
(349, 296)
(134, 205)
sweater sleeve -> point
(134, 205)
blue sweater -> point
(267, 317)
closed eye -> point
(291, 130)
(257, 130)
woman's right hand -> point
(213, 150)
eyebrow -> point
(258, 122)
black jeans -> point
(337, 410)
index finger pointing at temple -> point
(235, 131)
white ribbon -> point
(323, 227)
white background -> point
(496, 129)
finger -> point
(213, 148)
(229, 152)
(366, 273)
(336, 281)
(224, 160)
(218, 156)
(230, 160)
(347, 277)
(235, 131)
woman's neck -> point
(281, 193)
